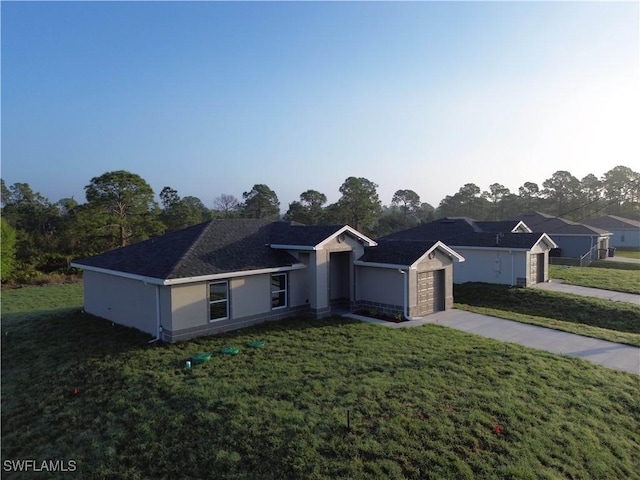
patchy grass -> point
(592, 317)
(610, 264)
(600, 276)
(422, 403)
(621, 252)
(27, 302)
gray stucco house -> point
(575, 240)
(227, 274)
(625, 232)
(505, 252)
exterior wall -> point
(573, 246)
(250, 304)
(165, 307)
(379, 288)
(299, 288)
(214, 328)
(249, 296)
(627, 237)
(189, 305)
(124, 301)
(319, 283)
(491, 266)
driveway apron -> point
(608, 354)
(558, 286)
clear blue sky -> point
(212, 98)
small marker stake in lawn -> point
(75, 390)
(348, 421)
(497, 429)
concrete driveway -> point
(607, 354)
(558, 286)
(624, 260)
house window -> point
(218, 301)
(622, 237)
(279, 290)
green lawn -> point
(592, 317)
(613, 265)
(627, 253)
(423, 403)
(602, 274)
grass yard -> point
(423, 403)
(627, 253)
(613, 265)
(603, 274)
(592, 317)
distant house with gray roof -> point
(504, 252)
(625, 232)
(575, 240)
(227, 274)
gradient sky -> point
(212, 97)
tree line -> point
(39, 236)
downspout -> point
(405, 296)
(158, 327)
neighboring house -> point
(227, 274)
(495, 252)
(574, 240)
(625, 232)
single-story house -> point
(625, 232)
(505, 252)
(574, 240)
(226, 274)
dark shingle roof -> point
(504, 226)
(612, 222)
(441, 229)
(497, 240)
(396, 252)
(461, 232)
(292, 233)
(544, 223)
(217, 246)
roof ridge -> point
(179, 260)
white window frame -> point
(283, 290)
(211, 302)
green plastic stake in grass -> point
(229, 350)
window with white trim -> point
(278, 290)
(218, 300)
